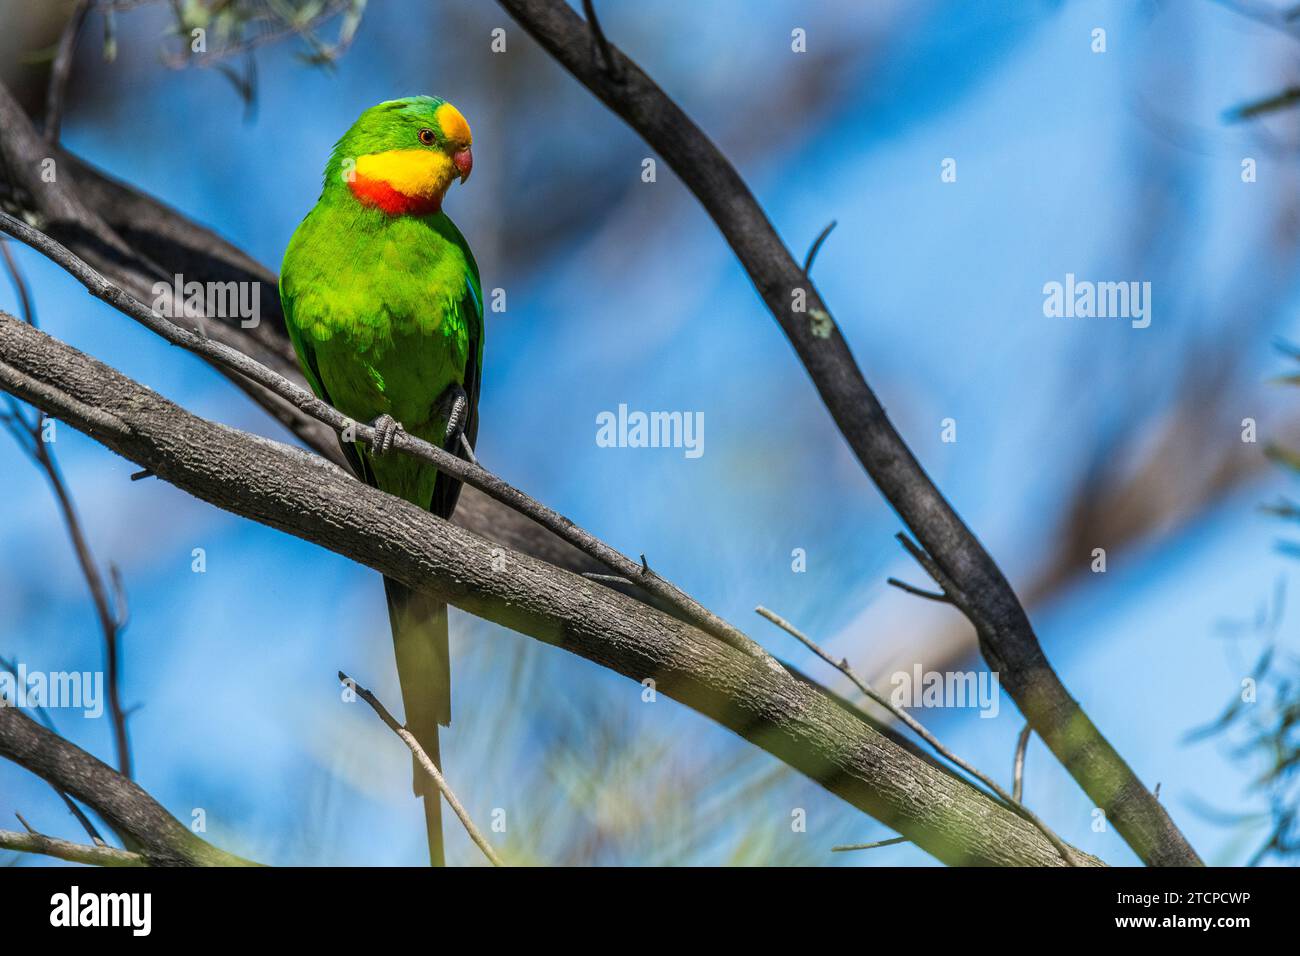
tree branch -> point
(72, 852)
(919, 729)
(1018, 765)
(428, 766)
(158, 837)
(61, 70)
(303, 495)
(983, 594)
(846, 847)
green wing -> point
(311, 371)
(446, 490)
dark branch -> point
(817, 246)
(608, 63)
(918, 592)
(155, 834)
(61, 70)
(983, 594)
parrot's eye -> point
(427, 137)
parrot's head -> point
(402, 155)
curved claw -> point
(454, 404)
(386, 428)
(457, 415)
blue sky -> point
(1065, 158)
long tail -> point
(419, 625)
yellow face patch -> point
(413, 172)
(454, 127)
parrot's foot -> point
(456, 404)
(386, 428)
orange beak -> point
(464, 162)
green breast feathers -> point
(386, 314)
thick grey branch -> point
(303, 495)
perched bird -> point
(384, 306)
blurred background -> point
(1072, 434)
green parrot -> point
(384, 305)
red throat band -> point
(377, 193)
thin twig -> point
(919, 592)
(892, 841)
(844, 668)
(428, 765)
(62, 69)
(608, 63)
(606, 578)
(19, 283)
(91, 830)
(1018, 772)
(816, 246)
(33, 842)
(929, 564)
(471, 474)
(108, 621)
